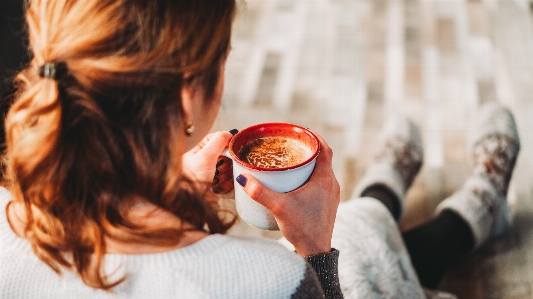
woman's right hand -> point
(306, 215)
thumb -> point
(215, 144)
(258, 192)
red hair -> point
(82, 147)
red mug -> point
(291, 175)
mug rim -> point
(273, 124)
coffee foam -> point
(274, 152)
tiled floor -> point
(340, 67)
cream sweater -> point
(373, 263)
(217, 266)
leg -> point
(398, 159)
(468, 218)
(373, 261)
(435, 244)
(481, 202)
(374, 257)
(387, 197)
(479, 210)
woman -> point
(110, 177)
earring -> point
(189, 128)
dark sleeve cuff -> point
(326, 266)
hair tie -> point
(52, 70)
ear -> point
(187, 97)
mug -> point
(282, 179)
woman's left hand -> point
(203, 163)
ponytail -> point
(97, 123)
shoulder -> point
(231, 255)
(9, 240)
(251, 268)
(5, 197)
(261, 250)
(256, 243)
(278, 267)
(266, 259)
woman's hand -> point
(204, 163)
(222, 184)
(306, 215)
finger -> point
(263, 195)
(213, 145)
(222, 177)
(223, 187)
(326, 154)
(217, 189)
(227, 195)
(216, 142)
(227, 185)
(202, 143)
(324, 160)
(224, 164)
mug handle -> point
(226, 153)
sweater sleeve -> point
(326, 266)
(321, 279)
(309, 286)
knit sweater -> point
(373, 263)
(217, 266)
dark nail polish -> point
(217, 189)
(241, 180)
(234, 131)
(215, 181)
(220, 162)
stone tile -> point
(446, 40)
(479, 22)
(269, 75)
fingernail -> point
(220, 162)
(217, 171)
(234, 131)
(215, 181)
(218, 189)
(241, 180)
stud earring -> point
(189, 128)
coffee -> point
(274, 152)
